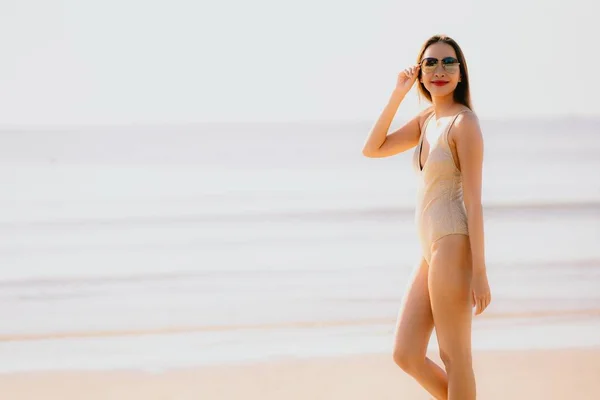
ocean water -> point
(161, 246)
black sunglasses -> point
(450, 64)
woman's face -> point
(440, 71)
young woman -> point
(451, 278)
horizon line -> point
(50, 126)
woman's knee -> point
(407, 359)
(456, 359)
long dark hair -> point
(462, 94)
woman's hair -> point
(462, 94)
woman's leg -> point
(413, 331)
(451, 303)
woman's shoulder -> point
(466, 126)
(466, 118)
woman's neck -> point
(444, 106)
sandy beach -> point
(545, 374)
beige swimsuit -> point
(440, 207)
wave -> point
(81, 281)
(528, 316)
(325, 214)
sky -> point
(143, 61)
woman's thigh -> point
(449, 283)
(415, 320)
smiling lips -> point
(439, 83)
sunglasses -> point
(450, 64)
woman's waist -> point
(444, 195)
(440, 205)
(441, 217)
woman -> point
(451, 278)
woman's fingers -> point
(482, 301)
(408, 74)
(479, 309)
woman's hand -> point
(407, 78)
(481, 290)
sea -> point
(164, 246)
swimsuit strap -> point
(447, 131)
